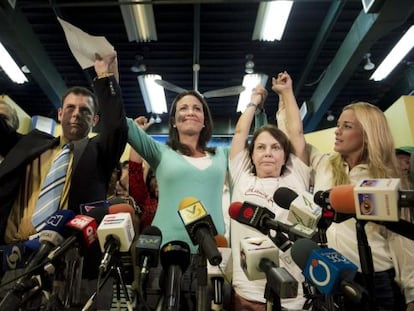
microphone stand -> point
(367, 264)
(201, 295)
(116, 268)
(272, 299)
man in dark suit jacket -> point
(93, 159)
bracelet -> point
(251, 105)
(101, 75)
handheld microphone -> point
(148, 249)
(15, 256)
(259, 259)
(200, 228)
(367, 204)
(50, 236)
(81, 229)
(302, 209)
(262, 219)
(115, 233)
(374, 199)
(252, 250)
(100, 212)
(175, 259)
(325, 268)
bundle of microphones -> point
(57, 254)
(66, 238)
(329, 275)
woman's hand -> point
(142, 122)
(282, 83)
(259, 95)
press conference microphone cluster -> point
(377, 200)
(263, 220)
(328, 270)
(259, 259)
(200, 228)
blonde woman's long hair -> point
(378, 151)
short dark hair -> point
(80, 90)
(279, 136)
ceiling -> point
(323, 49)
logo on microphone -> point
(192, 212)
(319, 273)
(14, 257)
(54, 220)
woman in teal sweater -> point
(185, 166)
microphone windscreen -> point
(221, 241)
(187, 202)
(98, 213)
(121, 208)
(175, 253)
(57, 221)
(234, 209)
(284, 197)
(342, 199)
(301, 251)
(151, 230)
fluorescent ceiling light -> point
(139, 21)
(250, 81)
(271, 20)
(399, 51)
(153, 94)
(10, 67)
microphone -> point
(262, 219)
(374, 204)
(115, 233)
(216, 274)
(80, 229)
(200, 228)
(100, 212)
(302, 209)
(148, 248)
(328, 270)
(259, 259)
(374, 199)
(175, 259)
(49, 237)
(15, 256)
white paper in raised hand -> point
(84, 46)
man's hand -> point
(106, 64)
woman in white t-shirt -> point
(256, 171)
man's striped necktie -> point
(51, 191)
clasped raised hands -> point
(259, 95)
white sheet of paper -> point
(84, 46)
